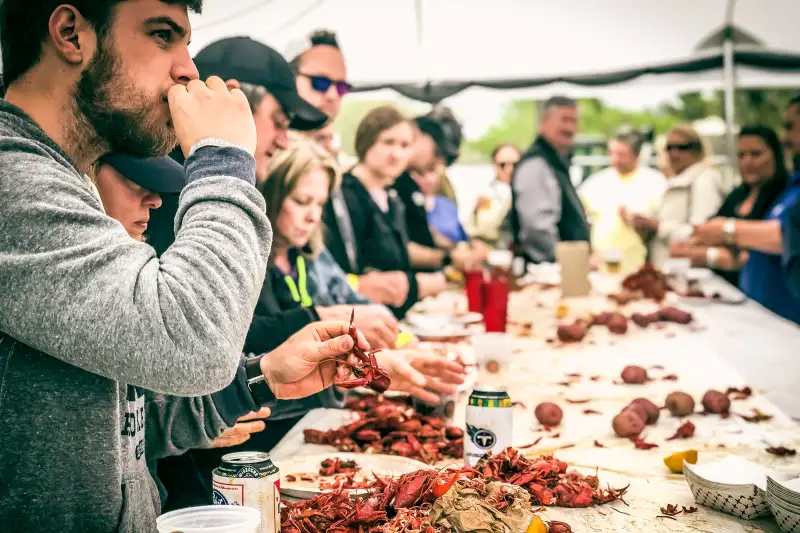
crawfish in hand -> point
(366, 372)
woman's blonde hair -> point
(286, 168)
(701, 146)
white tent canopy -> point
(391, 42)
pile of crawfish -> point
(546, 479)
(648, 282)
(366, 372)
(392, 506)
(392, 427)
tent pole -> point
(730, 85)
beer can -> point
(250, 479)
(444, 409)
(489, 423)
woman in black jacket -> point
(383, 146)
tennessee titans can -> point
(489, 423)
(250, 479)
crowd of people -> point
(182, 244)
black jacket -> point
(572, 226)
(379, 238)
(416, 218)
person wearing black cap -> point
(269, 85)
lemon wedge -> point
(675, 461)
(536, 526)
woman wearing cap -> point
(694, 193)
(383, 142)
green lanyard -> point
(300, 296)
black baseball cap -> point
(249, 61)
(158, 174)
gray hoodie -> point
(89, 319)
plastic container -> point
(492, 351)
(210, 519)
(474, 281)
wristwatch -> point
(729, 231)
(447, 260)
(257, 383)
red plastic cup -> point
(495, 304)
(474, 280)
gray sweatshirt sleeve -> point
(177, 424)
(75, 286)
(538, 205)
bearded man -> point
(95, 331)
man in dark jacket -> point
(546, 208)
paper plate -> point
(382, 465)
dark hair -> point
(373, 124)
(500, 146)
(794, 100)
(554, 102)
(770, 191)
(434, 130)
(317, 38)
(452, 130)
(21, 42)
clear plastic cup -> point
(210, 519)
(492, 351)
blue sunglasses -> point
(322, 84)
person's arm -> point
(423, 257)
(762, 235)
(698, 254)
(538, 205)
(177, 424)
(77, 287)
(334, 279)
(267, 332)
(791, 250)
(487, 221)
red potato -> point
(638, 409)
(617, 324)
(635, 375)
(601, 319)
(627, 424)
(650, 408)
(573, 332)
(644, 320)
(679, 404)
(673, 314)
(716, 402)
(548, 414)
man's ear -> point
(233, 84)
(71, 35)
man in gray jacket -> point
(91, 320)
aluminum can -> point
(250, 479)
(489, 420)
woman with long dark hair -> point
(763, 171)
(754, 242)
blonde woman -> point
(694, 193)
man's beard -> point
(123, 118)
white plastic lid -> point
(210, 519)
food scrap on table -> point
(640, 444)
(782, 451)
(739, 394)
(685, 431)
(756, 417)
(548, 414)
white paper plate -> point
(382, 465)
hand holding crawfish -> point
(366, 372)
